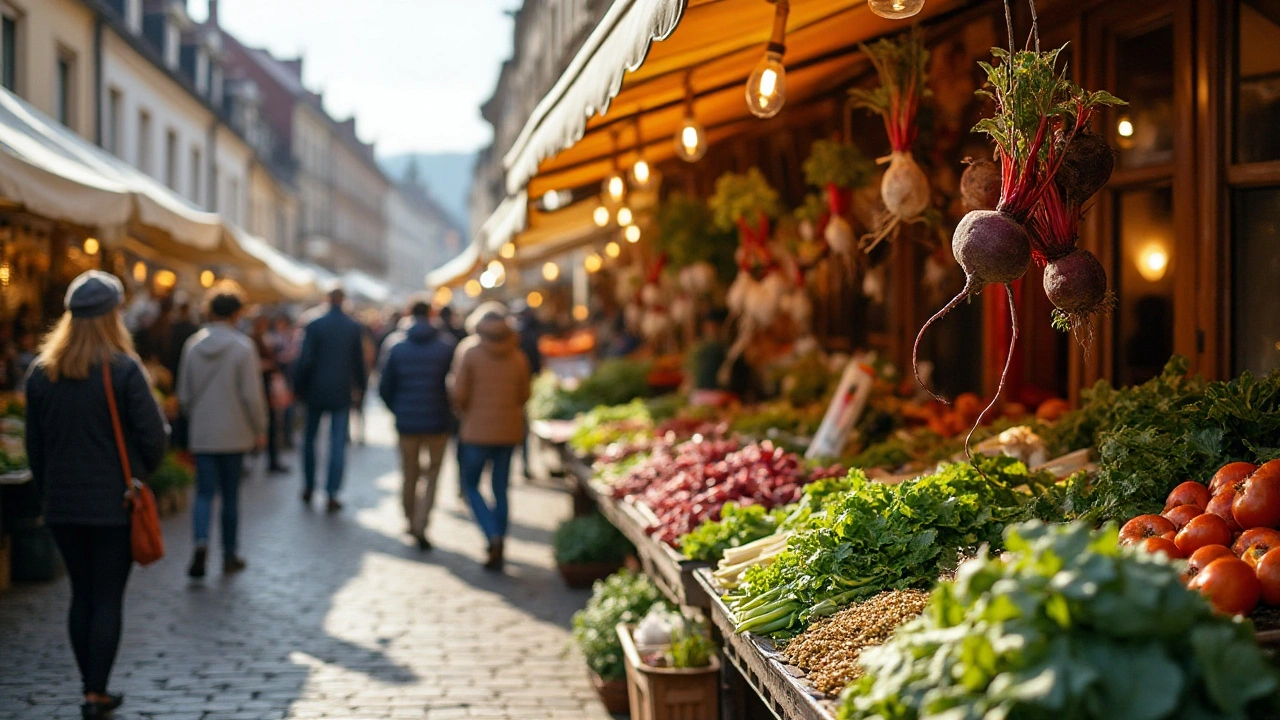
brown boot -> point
(495, 555)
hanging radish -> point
(904, 189)
(1038, 115)
(838, 169)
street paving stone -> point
(337, 616)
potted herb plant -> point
(679, 680)
(588, 549)
(623, 597)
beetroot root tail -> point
(915, 348)
(1008, 362)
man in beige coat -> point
(490, 388)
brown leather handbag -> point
(145, 537)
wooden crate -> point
(669, 693)
(672, 572)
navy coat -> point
(413, 380)
(331, 367)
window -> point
(171, 159)
(8, 47)
(111, 133)
(195, 174)
(1257, 83)
(64, 93)
(144, 141)
(233, 200)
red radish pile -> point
(1228, 531)
(904, 188)
(688, 484)
(1038, 115)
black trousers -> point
(98, 560)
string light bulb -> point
(444, 296)
(613, 249)
(625, 217)
(615, 187)
(767, 85)
(640, 173)
(632, 233)
(581, 313)
(508, 250)
(691, 139)
(534, 300)
(592, 263)
(550, 272)
(140, 271)
(91, 246)
(206, 279)
(166, 279)
(473, 288)
(601, 216)
(895, 9)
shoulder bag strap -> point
(115, 424)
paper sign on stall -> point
(846, 407)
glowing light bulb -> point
(615, 187)
(632, 233)
(140, 271)
(593, 263)
(551, 200)
(508, 250)
(691, 141)
(581, 313)
(166, 279)
(613, 249)
(550, 271)
(601, 216)
(624, 216)
(207, 278)
(1125, 127)
(443, 297)
(767, 86)
(1153, 262)
(534, 299)
(895, 9)
(91, 246)
(487, 281)
(473, 288)
(497, 268)
(640, 173)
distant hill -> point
(446, 175)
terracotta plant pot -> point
(582, 575)
(613, 693)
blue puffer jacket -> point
(331, 366)
(413, 380)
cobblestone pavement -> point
(336, 617)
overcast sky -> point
(413, 71)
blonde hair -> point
(75, 345)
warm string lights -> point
(767, 85)
(691, 139)
(895, 9)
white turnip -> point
(736, 298)
(904, 187)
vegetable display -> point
(901, 64)
(877, 537)
(738, 525)
(838, 168)
(609, 424)
(1065, 625)
(614, 382)
(623, 597)
(589, 539)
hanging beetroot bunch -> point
(838, 168)
(1039, 113)
(904, 188)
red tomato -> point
(1268, 571)
(1188, 493)
(1257, 503)
(1230, 585)
(1252, 535)
(1230, 474)
(1145, 526)
(1164, 545)
(1202, 530)
(1220, 505)
(1182, 514)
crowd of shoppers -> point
(234, 383)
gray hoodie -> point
(220, 390)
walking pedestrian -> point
(221, 392)
(414, 371)
(490, 388)
(531, 331)
(331, 369)
(261, 330)
(74, 456)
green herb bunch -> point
(614, 382)
(876, 537)
(688, 234)
(737, 526)
(623, 597)
(608, 424)
(901, 64)
(589, 539)
(743, 197)
(842, 164)
(1071, 627)
(690, 646)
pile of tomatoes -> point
(1228, 531)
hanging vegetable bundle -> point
(838, 169)
(904, 188)
(1039, 113)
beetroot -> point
(980, 185)
(1076, 283)
(991, 247)
(1086, 167)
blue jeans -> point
(338, 422)
(217, 474)
(471, 462)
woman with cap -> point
(74, 458)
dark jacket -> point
(331, 366)
(72, 447)
(530, 333)
(414, 371)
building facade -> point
(420, 234)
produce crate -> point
(781, 687)
(669, 693)
(672, 572)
